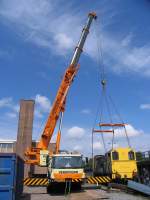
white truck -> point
(65, 167)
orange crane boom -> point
(33, 154)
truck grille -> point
(68, 172)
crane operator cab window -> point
(115, 155)
(131, 155)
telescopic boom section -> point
(58, 103)
(64, 87)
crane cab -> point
(43, 157)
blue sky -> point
(37, 41)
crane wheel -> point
(49, 188)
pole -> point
(92, 154)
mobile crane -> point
(61, 167)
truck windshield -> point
(63, 162)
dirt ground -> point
(39, 193)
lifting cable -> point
(100, 61)
(101, 67)
(104, 97)
(102, 74)
(122, 121)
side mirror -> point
(85, 160)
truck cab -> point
(66, 167)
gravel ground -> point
(39, 193)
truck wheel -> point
(48, 189)
(79, 186)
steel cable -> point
(102, 73)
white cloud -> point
(8, 103)
(77, 148)
(5, 102)
(76, 132)
(120, 140)
(63, 41)
(85, 111)
(141, 142)
(121, 132)
(8, 127)
(11, 114)
(131, 131)
(41, 24)
(43, 102)
(145, 106)
(38, 22)
(38, 113)
(138, 142)
(127, 40)
(97, 146)
(15, 107)
(127, 57)
(42, 106)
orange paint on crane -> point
(33, 154)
